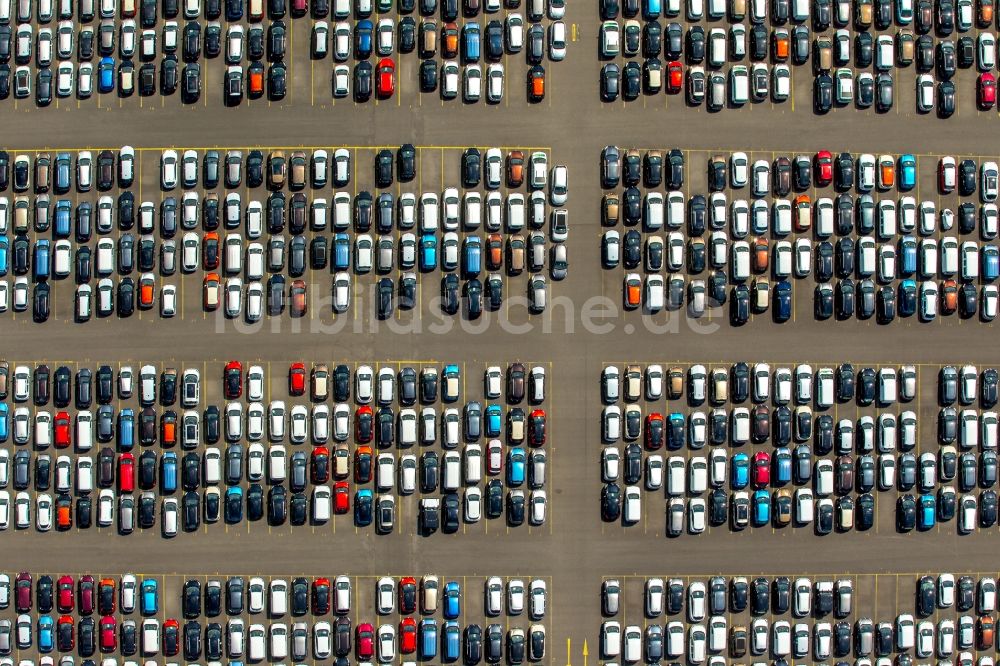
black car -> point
(191, 83)
(823, 93)
(611, 502)
(363, 81)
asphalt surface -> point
(577, 550)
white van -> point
(150, 637)
(653, 216)
(234, 254)
(515, 212)
(800, 10)
(740, 425)
(407, 427)
(739, 85)
(84, 431)
(473, 464)
(473, 217)
(451, 471)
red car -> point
(85, 595)
(299, 7)
(232, 380)
(62, 430)
(987, 90)
(320, 467)
(824, 168)
(126, 473)
(70, 634)
(297, 379)
(365, 641)
(64, 594)
(761, 469)
(675, 77)
(321, 596)
(407, 595)
(407, 635)
(386, 78)
(536, 428)
(171, 632)
(654, 431)
(341, 497)
(364, 424)
(109, 634)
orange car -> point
(147, 290)
(210, 251)
(494, 255)
(760, 255)
(449, 40)
(299, 306)
(633, 291)
(168, 430)
(985, 13)
(64, 514)
(886, 172)
(255, 79)
(515, 168)
(803, 213)
(985, 626)
(949, 297)
(536, 84)
(779, 45)
(210, 297)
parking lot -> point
(575, 550)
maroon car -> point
(86, 593)
(22, 595)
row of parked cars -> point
(40, 384)
(943, 17)
(823, 387)
(780, 176)
(278, 170)
(86, 622)
(711, 638)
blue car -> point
(472, 253)
(106, 75)
(926, 513)
(675, 431)
(452, 642)
(782, 466)
(62, 173)
(168, 472)
(363, 500)
(908, 255)
(452, 600)
(740, 467)
(428, 252)
(761, 509)
(651, 9)
(363, 35)
(4, 247)
(782, 301)
(515, 466)
(991, 263)
(126, 429)
(234, 499)
(45, 634)
(907, 298)
(428, 639)
(470, 42)
(907, 172)
(42, 259)
(63, 219)
(494, 416)
(149, 602)
(4, 422)
(341, 252)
